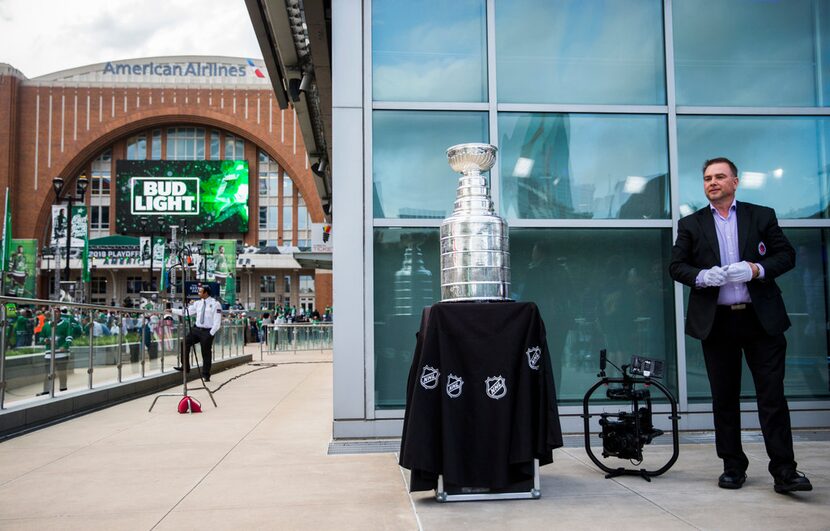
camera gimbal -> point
(624, 434)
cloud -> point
(44, 36)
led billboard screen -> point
(199, 195)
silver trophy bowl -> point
(475, 255)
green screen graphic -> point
(199, 196)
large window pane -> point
(597, 288)
(751, 52)
(410, 173)
(580, 51)
(406, 279)
(805, 290)
(583, 166)
(782, 161)
(429, 50)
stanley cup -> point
(475, 255)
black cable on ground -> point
(260, 365)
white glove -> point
(738, 272)
(714, 277)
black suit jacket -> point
(697, 248)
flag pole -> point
(7, 234)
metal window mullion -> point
(563, 223)
(591, 223)
(368, 215)
(674, 198)
(492, 101)
(428, 105)
(804, 223)
(753, 111)
(582, 109)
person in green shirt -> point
(24, 328)
(66, 330)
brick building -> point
(82, 121)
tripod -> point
(184, 350)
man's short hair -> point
(718, 160)
(206, 287)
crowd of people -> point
(256, 322)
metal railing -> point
(295, 337)
(89, 346)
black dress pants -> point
(205, 340)
(735, 331)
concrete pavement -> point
(260, 460)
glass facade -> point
(411, 177)
(582, 51)
(429, 51)
(603, 112)
(782, 62)
(583, 166)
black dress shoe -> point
(177, 369)
(42, 393)
(731, 480)
(63, 388)
(206, 378)
(791, 481)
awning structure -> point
(314, 260)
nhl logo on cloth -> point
(496, 387)
(534, 356)
(762, 249)
(429, 377)
(454, 385)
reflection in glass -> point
(583, 166)
(782, 161)
(410, 175)
(429, 50)
(577, 51)
(804, 290)
(595, 289)
(751, 53)
(404, 284)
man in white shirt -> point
(208, 314)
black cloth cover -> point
(480, 399)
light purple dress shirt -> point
(727, 231)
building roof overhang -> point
(294, 38)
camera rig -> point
(624, 434)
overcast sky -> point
(43, 36)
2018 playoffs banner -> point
(20, 279)
(221, 267)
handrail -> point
(293, 337)
(102, 354)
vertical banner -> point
(144, 250)
(21, 269)
(60, 222)
(79, 238)
(221, 267)
(79, 226)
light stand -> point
(181, 251)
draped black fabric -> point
(481, 400)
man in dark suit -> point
(730, 254)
